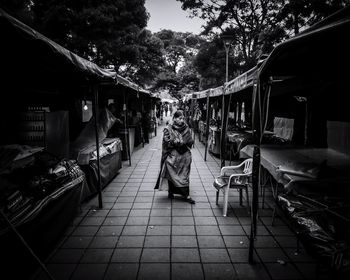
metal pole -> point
(20, 237)
(126, 129)
(96, 113)
(223, 116)
(256, 121)
(207, 126)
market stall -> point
(41, 186)
(313, 181)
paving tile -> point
(186, 255)
(158, 230)
(183, 230)
(161, 212)
(134, 230)
(130, 241)
(154, 271)
(182, 221)
(126, 255)
(214, 256)
(97, 256)
(201, 221)
(125, 199)
(115, 221)
(161, 221)
(184, 241)
(77, 242)
(67, 256)
(109, 231)
(265, 242)
(219, 271)
(155, 255)
(210, 242)
(89, 271)
(241, 255)
(142, 205)
(92, 221)
(186, 271)
(133, 220)
(283, 271)
(207, 230)
(228, 221)
(124, 271)
(157, 241)
(118, 213)
(104, 242)
(97, 213)
(85, 230)
(231, 230)
(179, 212)
(236, 241)
(199, 212)
(271, 255)
(251, 271)
(140, 212)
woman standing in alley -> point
(176, 158)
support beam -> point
(96, 117)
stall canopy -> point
(33, 59)
(314, 59)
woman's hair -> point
(178, 113)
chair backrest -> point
(248, 166)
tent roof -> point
(30, 59)
(241, 82)
(316, 55)
(27, 53)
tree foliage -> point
(108, 32)
(256, 26)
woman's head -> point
(179, 117)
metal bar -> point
(126, 129)
(42, 265)
(207, 126)
(96, 117)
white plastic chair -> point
(234, 177)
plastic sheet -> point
(323, 224)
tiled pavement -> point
(141, 234)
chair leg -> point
(240, 197)
(217, 197)
(225, 200)
(247, 195)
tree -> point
(179, 74)
(243, 20)
(108, 32)
(258, 25)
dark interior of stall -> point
(316, 200)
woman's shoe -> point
(190, 200)
(170, 195)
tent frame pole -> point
(96, 114)
(126, 129)
(207, 126)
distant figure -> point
(166, 109)
(171, 109)
(176, 159)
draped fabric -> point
(176, 159)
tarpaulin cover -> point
(87, 138)
(323, 224)
(27, 53)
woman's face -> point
(179, 120)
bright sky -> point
(167, 14)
